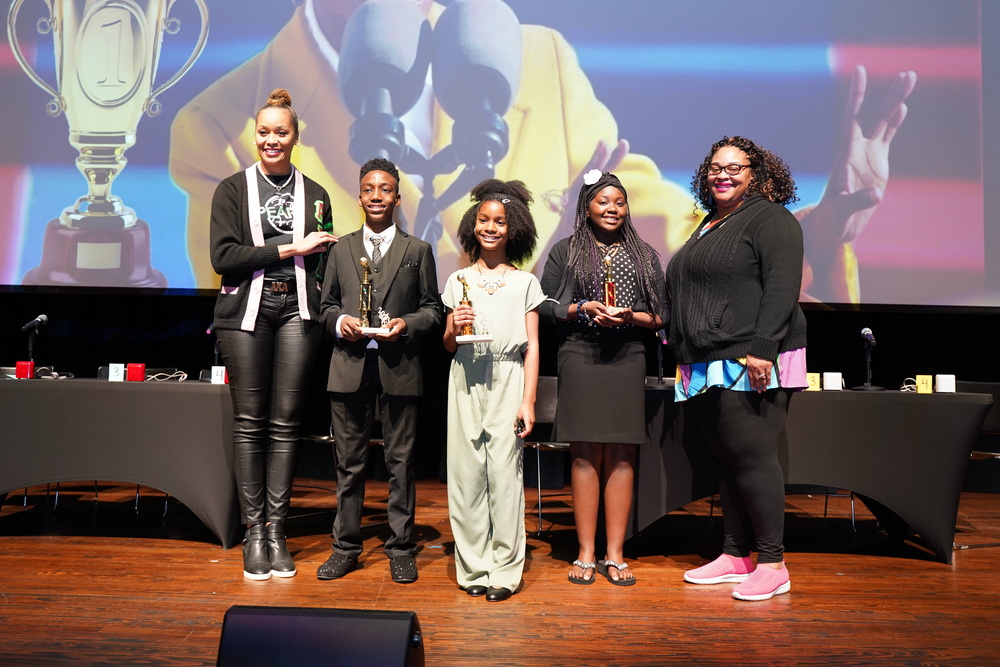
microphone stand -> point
(868, 386)
(661, 340)
(32, 332)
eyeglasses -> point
(732, 169)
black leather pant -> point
(269, 371)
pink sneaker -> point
(722, 569)
(764, 584)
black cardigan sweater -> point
(235, 257)
(734, 291)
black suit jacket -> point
(404, 284)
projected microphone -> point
(477, 70)
(382, 75)
(35, 323)
(869, 337)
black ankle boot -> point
(277, 553)
(255, 562)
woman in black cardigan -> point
(739, 338)
(269, 228)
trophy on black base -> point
(365, 304)
(106, 54)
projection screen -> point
(877, 107)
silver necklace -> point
(277, 188)
(491, 286)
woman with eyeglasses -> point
(739, 337)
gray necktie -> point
(376, 253)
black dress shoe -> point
(476, 591)
(404, 569)
(336, 566)
(498, 594)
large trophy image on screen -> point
(106, 55)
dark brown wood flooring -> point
(94, 583)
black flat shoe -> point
(336, 566)
(476, 591)
(498, 594)
(404, 569)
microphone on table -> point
(35, 323)
(215, 349)
(661, 336)
(382, 78)
(869, 337)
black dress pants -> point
(353, 416)
(269, 370)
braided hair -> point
(521, 233)
(587, 263)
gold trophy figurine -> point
(106, 57)
(468, 334)
(467, 329)
(365, 304)
(609, 284)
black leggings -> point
(743, 431)
(269, 371)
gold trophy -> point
(467, 329)
(468, 334)
(609, 284)
(106, 54)
(365, 303)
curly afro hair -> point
(771, 177)
(521, 233)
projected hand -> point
(861, 167)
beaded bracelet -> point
(581, 313)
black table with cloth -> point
(172, 436)
(904, 453)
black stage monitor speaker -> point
(304, 637)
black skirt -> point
(602, 391)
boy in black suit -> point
(383, 367)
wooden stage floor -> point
(94, 583)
